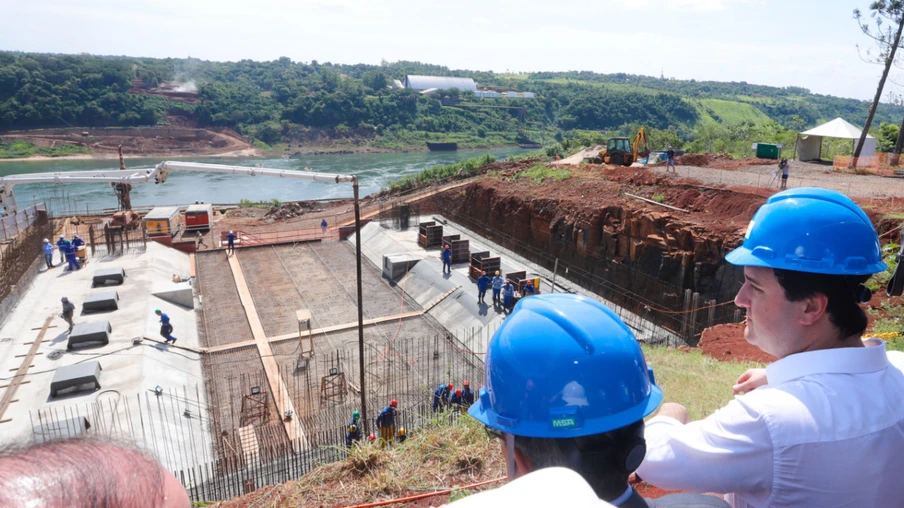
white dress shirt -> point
(828, 430)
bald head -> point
(82, 473)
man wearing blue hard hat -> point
(567, 386)
(824, 424)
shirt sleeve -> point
(730, 451)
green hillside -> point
(311, 102)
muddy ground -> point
(184, 140)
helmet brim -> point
(742, 256)
(589, 427)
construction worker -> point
(62, 245)
(567, 386)
(483, 282)
(441, 396)
(386, 423)
(824, 424)
(447, 258)
(528, 288)
(68, 312)
(166, 329)
(77, 241)
(48, 253)
(456, 401)
(353, 430)
(323, 226)
(70, 257)
(670, 160)
(497, 288)
(230, 243)
(400, 436)
(467, 396)
(508, 294)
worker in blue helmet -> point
(824, 424)
(567, 385)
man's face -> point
(773, 323)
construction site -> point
(280, 339)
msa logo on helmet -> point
(564, 423)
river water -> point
(374, 171)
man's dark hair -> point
(595, 457)
(844, 292)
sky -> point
(807, 43)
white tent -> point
(809, 143)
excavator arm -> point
(640, 140)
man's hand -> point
(750, 380)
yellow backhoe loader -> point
(623, 151)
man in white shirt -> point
(824, 424)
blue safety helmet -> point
(811, 230)
(564, 366)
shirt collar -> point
(846, 360)
(620, 500)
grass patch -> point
(23, 149)
(463, 169)
(701, 383)
(436, 456)
(247, 203)
(540, 172)
(889, 255)
(659, 198)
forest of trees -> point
(281, 100)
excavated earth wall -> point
(684, 250)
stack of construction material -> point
(483, 262)
(430, 235)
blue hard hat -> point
(564, 366)
(811, 230)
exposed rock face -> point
(679, 249)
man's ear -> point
(523, 465)
(813, 308)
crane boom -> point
(158, 174)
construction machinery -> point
(623, 151)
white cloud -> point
(697, 5)
(480, 20)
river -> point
(374, 171)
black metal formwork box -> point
(111, 276)
(101, 301)
(430, 235)
(80, 376)
(483, 262)
(461, 251)
(90, 332)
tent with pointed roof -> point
(809, 143)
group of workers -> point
(447, 396)
(503, 290)
(385, 423)
(68, 251)
(567, 386)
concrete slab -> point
(131, 370)
(461, 313)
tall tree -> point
(889, 20)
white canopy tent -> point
(809, 143)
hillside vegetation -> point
(311, 102)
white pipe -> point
(255, 171)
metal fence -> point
(13, 225)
